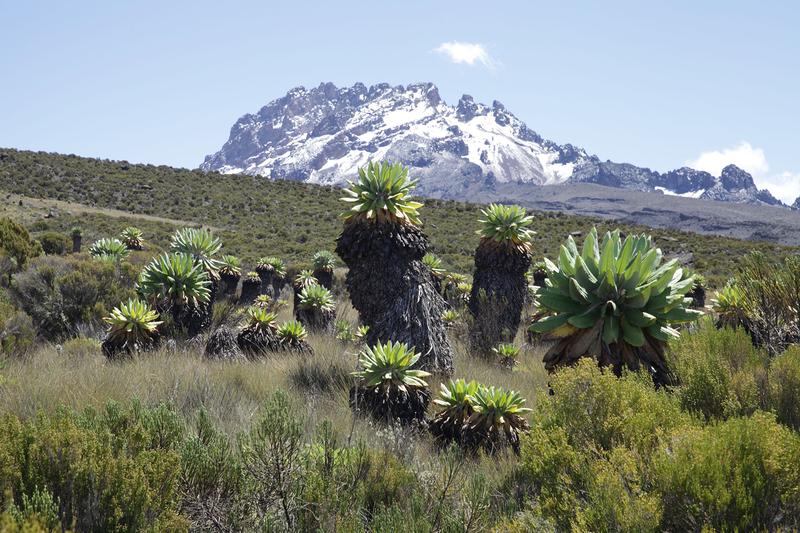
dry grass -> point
(77, 375)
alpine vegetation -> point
(456, 403)
(317, 309)
(478, 417)
(133, 238)
(388, 386)
(497, 420)
(390, 287)
(77, 239)
(266, 270)
(292, 337)
(324, 262)
(305, 278)
(201, 245)
(229, 273)
(251, 288)
(132, 328)
(109, 249)
(260, 334)
(499, 286)
(174, 283)
(615, 302)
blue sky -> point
(657, 84)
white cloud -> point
(467, 53)
(783, 185)
(743, 155)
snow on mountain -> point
(324, 134)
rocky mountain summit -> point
(322, 135)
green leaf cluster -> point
(618, 285)
(390, 364)
(175, 278)
(383, 194)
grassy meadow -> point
(171, 439)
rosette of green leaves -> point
(382, 193)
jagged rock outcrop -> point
(323, 134)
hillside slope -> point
(256, 217)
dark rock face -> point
(684, 180)
(323, 134)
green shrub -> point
(720, 373)
(17, 333)
(615, 455)
(61, 293)
(784, 387)
(586, 448)
(212, 482)
(739, 475)
(54, 243)
(352, 483)
(597, 409)
(16, 243)
(92, 466)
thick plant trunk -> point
(256, 342)
(698, 296)
(278, 283)
(300, 347)
(314, 320)
(324, 278)
(229, 283)
(392, 290)
(116, 351)
(222, 345)
(389, 403)
(250, 291)
(76, 244)
(266, 282)
(192, 319)
(539, 278)
(498, 294)
(296, 299)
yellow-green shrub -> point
(784, 387)
(105, 470)
(607, 454)
(738, 475)
(720, 373)
(81, 347)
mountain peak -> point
(324, 134)
(734, 178)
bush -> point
(81, 347)
(584, 456)
(54, 243)
(106, 470)
(740, 475)
(61, 293)
(784, 387)
(720, 373)
(212, 479)
(16, 243)
(770, 294)
(17, 333)
(351, 483)
(616, 455)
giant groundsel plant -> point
(614, 300)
